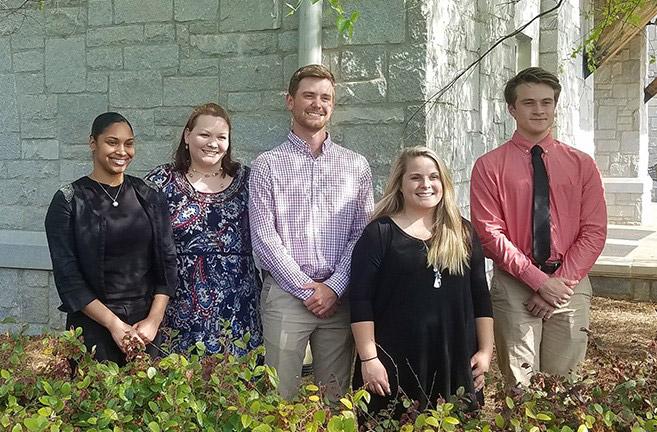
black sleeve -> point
(73, 289)
(366, 262)
(168, 248)
(479, 284)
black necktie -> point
(541, 211)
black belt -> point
(549, 267)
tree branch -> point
(433, 100)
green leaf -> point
(432, 421)
(151, 372)
(154, 427)
(582, 428)
(499, 421)
(346, 402)
(246, 420)
(509, 402)
(262, 428)
(451, 420)
(543, 417)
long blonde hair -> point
(450, 238)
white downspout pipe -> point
(310, 33)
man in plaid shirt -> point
(309, 202)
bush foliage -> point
(40, 391)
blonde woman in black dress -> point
(420, 305)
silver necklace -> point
(437, 277)
(115, 203)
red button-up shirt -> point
(501, 208)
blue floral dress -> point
(217, 279)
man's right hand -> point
(557, 290)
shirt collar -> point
(300, 144)
(525, 145)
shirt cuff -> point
(337, 283)
(534, 277)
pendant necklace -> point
(437, 277)
(115, 203)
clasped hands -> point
(554, 293)
(323, 302)
(143, 332)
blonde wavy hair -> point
(450, 237)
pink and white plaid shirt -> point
(306, 213)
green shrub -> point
(40, 392)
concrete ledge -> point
(24, 250)
(632, 185)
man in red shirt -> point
(538, 206)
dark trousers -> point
(94, 334)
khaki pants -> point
(288, 326)
(556, 346)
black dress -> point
(429, 333)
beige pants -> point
(288, 326)
(555, 346)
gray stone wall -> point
(652, 104)
(621, 132)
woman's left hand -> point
(480, 363)
(147, 329)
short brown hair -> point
(309, 71)
(181, 157)
(534, 75)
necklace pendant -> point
(437, 280)
(115, 204)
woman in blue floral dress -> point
(207, 193)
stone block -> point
(105, 58)
(5, 53)
(331, 38)
(129, 11)
(32, 169)
(76, 113)
(9, 287)
(117, 35)
(36, 278)
(34, 305)
(40, 149)
(406, 74)
(186, 91)
(72, 170)
(203, 27)
(24, 42)
(290, 65)
(28, 61)
(99, 13)
(135, 89)
(289, 41)
(38, 129)
(28, 21)
(182, 34)
(8, 108)
(251, 73)
(244, 101)
(78, 152)
(150, 57)
(616, 288)
(172, 116)
(10, 147)
(247, 15)
(151, 154)
(97, 82)
(29, 83)
(257, 132)
(37, 106)
(15, 217)
(204, 67)
(191, 10)
(143, 124)
(380, 22)
(66, 65)
(159, 33)
(56, 318)
(234, 43)
(379, 143)
(606, 118)
(358, 115)
(362, 63)
(641, 290)
(65, 21)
